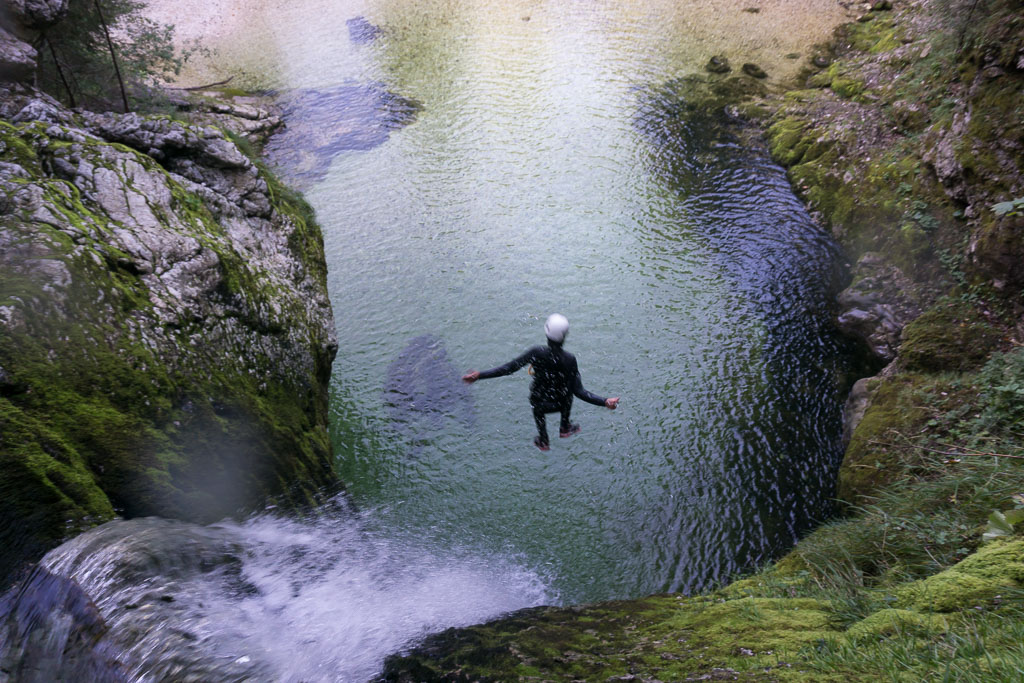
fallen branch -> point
(203, 87)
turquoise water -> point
(549, 170)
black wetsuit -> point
(556, 378)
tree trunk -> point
(113, 56)
(60, 72)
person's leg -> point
(567, 428)
(539, 416)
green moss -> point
(787, 140)
(881, 34)
(836, 187)
(848, 88)
(977, 580)
(15, 149)
(664, 637)
(886, 623)
(802, 96)
(758, 624)
(46, 483)
(875, 456)
(952, 335)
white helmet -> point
(556, 327)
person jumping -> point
(556, 379)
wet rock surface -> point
(110, 605)
(52, 631)
(165, 322)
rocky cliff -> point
(166, 334)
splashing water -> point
(333, 599)
(322, 599)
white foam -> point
(334, 598)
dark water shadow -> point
(778, 464)
(361, 31)
(323, 123)
(423, 391)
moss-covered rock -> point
(167, 337)
(658, 638)
(874, 456)
(889, 622)
(993, 570)
(951, 336)
(881, 34)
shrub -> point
(76, 64)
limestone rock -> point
(911, 117)
(997, 250)
(17, 58)
(253, 117)
(944, 157)
(168, 327)
(855, 407)
(20, 103)
(36, 14)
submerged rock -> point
(320, 124)
(423, 389)
(360, 30)
(718, 65)
(166, 331)
(754, 70)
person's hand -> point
(611, 403)
(471, 377)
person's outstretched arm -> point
(502, 370)
(593, 399)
